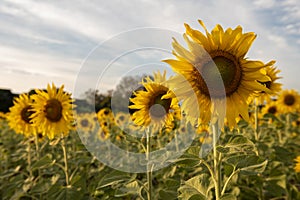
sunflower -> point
(86, 122)
(53, 111)
(289, 101)
(151, 108)
(121, 119)
(19, 117)
(271, 108)
(297, 166)
(103, 134)
(104, 113)
(211, 56)
(274, 87)
(2, 115)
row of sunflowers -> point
(248, 124)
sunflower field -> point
(221, 128)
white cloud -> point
(50, 38)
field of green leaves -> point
(250, 168)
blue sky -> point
(49, 41)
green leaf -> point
(188, 161)
(254, 169)
(167, 194)
(113, 178)
(69, 193)
(235, 159)
(239, 141)
(248, 164)
(42, 163)
(197, 187)
(130, 188)
(223, 149)
(228, 197)
(283, 155)
(170, 189)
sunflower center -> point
(106, 112)
(272, 110)
(26, 113)
(53, 110)
(84, 123)
(40, 136)
(160, 107)
(121, 118)
(223, 65)
(289, 100)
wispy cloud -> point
(50, 39)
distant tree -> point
(124, 90)
(97, 99)
(6, 100)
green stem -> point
(288, 122)
(29, 158)
(256, 121)
(149, 170)
(176, 141)
(37, 147)
(217, 165)
(234, 172)
(63, 145)
(211, 172)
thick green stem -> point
(149, 170)
(217, 165)
(63, 145)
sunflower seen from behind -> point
(150, 107)
(52, 111)
(19, 117)
(219, 53)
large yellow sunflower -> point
(289, 101)
(150, 107)
(274, 87)
(211, 56)
(19, 116)
(53, 111)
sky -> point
(92, 44)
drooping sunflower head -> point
(19, 117)
(53, 111)
(289, 101)
(216, 69)
(150, 106)
(272, 85)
